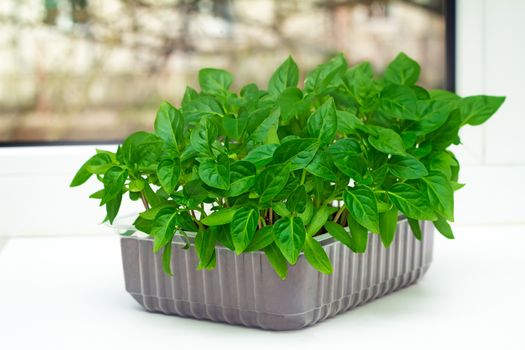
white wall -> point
(36, 200)
(490, 58)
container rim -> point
(128, 231)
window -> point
(96, 70)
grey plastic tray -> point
(245, 290)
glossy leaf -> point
(402, 70)
(289, 234)
(440, 194)
(298, 153)
(220, 217)
(271, 181)
(276, 260)
(339, 233)
(261, 239)
(205, 241)
(214, 81)
(168, 172)
(286, 75)
(387, 141)
(216, 172)
(243, 226)
(411, 202)
(362, 205)
(316, 255)
(387, 226)
(443, 227)
(322, 124)
(476, 110)
(406, 167)
(359, 235)
(169, 125)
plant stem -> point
(270, 214)
(339, 212)
(144, 201)
(303, 176)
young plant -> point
(271, 169)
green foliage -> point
(262, 170)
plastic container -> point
(245, 290)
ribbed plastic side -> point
(245, 290)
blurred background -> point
(96, 70)
(76, 75)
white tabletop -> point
(68, 293)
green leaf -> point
(443, 227)
(359, 235)
(440, 194)
(113, 180)
(416, 229)
(136, 185)
(163, 230)
(308, 212)
(233, 127)
(339, 233)
(345, 147)
(243, 227)
(402, 70)
(151, 213)
(322, 165)
(166, 259)
(113, 206)
(387, 141)
(168, 173)
(290, 103)
(280, 209)
(169, 125)
(316, 255)
(276, 260)
(220, 217)
(362, 205)
(322, 124)
(289, 234)
(261, 155)
(354, 167)
(398, 101)
(201, 107)
(445, 135)
(224, 236)
(325, 74)
(214, 81)
(83, 174)
(406, 167)
(216, 173)
(142, 149)
(319, 218)
(242, 178)
(388, 226)
(411, 202)
(261, 239)
(297, 152)
(100, 164)
(432, 115)
(203, 136)
(267, 129)
(475, 110)
(286, 75)
(347, 122)
(151, 196)
(296, 202)
(271, 181)
(205, 248)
